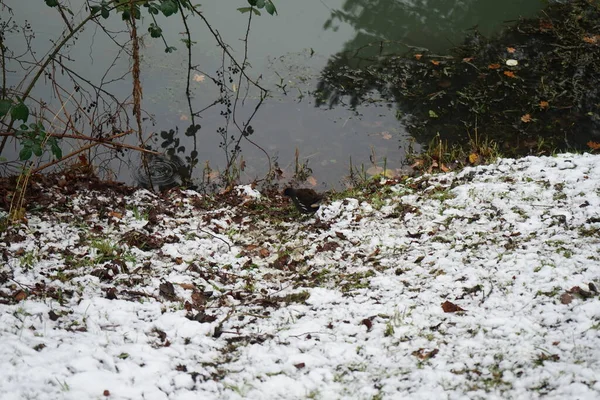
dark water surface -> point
(286, 52)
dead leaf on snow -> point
(115, 214)
(20, 295)
(566, 298)
(367, 322)
(264, 253)
(424, 354)
(167, 290)
(451, 307)
(188, 286)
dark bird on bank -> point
(307, 201)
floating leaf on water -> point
(593, 145)
(592, 39)
(526, 118)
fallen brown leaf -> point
(566, 298)
(451, 307)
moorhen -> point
(307, 201)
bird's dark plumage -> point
(307, 201)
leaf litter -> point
(477, 284)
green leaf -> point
(260, 3)
(105, 13)
(192, 130)
(270, 7)
(126, 15)
(170, 49)
(20, 111)
(37, 149)
(252, 2)
(51, 3)
(95, 9)
(55, 148)
(4, 107)
(168, 8)
(154, 30)
(244, 10)
(25, 153)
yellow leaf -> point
(473, 158)
(510, 74)
(544, 104)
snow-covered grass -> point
(104, 295)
